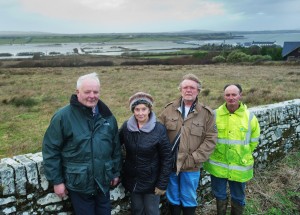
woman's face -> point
(141, 113)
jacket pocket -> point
(108, 168)
(171, 123)
(76, 177)
(243, 132)
(197, 128)
(221, 130)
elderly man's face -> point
(232, 96)
(189, 91)
(88, 93)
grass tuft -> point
(20, 101)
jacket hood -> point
(240, 111)
(149, 126)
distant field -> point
(99, 38)
(30, 96)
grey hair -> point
(191, 77)
(93, 76)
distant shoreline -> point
(35, 33)
(12, 47)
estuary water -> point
(111, 48)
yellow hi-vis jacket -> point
(238, 135)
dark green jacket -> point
(80, 150)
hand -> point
(159, 192)
(114, 182)
(60, 190)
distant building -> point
(291, 51)
(259, 43)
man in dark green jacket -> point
(81, 150)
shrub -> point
(201, 54)
(237, 56)
(274, 52)
(258, 58)
(219, 59)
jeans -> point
(182, 188)
(86, 204)
(237, 189)
(144, 204)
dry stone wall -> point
(24, 189)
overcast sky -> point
(125, 16)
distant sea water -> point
(278, 38)
(16, 50)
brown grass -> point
(41, 91)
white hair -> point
(93, 76)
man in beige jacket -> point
(192, 131)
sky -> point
(145, 16)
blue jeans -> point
(237, 189)
(182, 189)
(142, 204)
(83, 204)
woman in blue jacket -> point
(148, 161)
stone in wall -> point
(38, 159)
(31, 169)
(19, 173)
(7, 179)
(278, 123)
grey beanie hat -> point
(140, 98)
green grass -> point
(276, 190)
(30, 96)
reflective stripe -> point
(254, 139)
(241, 142)
(230, 167)
(248, 135)
(226, 141)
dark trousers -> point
(237, 189)
(144, 204)
(97, 204)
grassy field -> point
(30, 96)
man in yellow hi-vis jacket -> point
(232, 160)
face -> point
(141, 113)
(232, 96)
(88, 93)
(189, 91)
